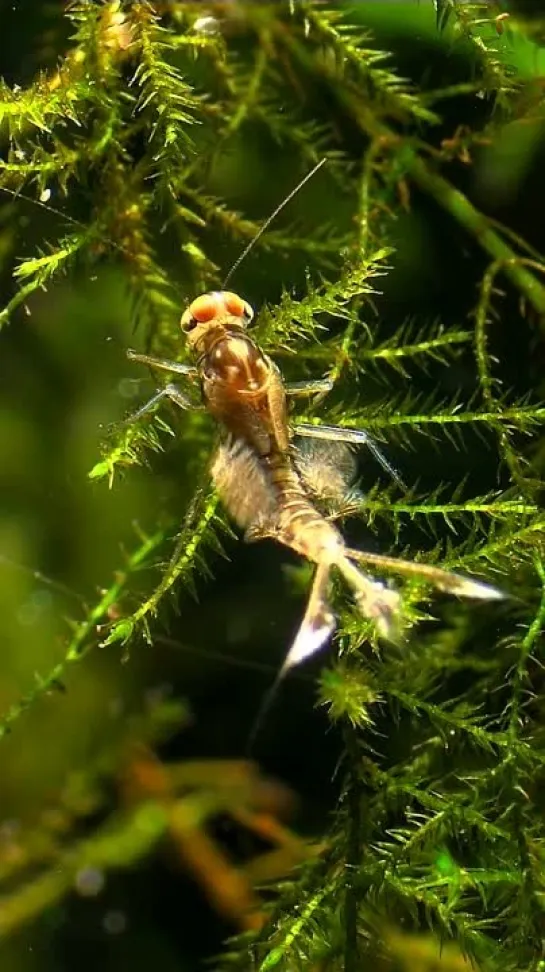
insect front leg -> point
(171, 392)
(175, 367)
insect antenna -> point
(270, 219)
(58, 212)
(75, 222)
(43, 205)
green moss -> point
(148, 126)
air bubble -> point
(89, 882)
(115, 922)
(128, 388)
(206, 25)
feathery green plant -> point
(155, 106)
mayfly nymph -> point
(268, 485)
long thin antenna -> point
(15, 194)
(270, 218)
(70, 219)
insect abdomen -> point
(300, 525)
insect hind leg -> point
(336, 433)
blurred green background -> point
(64, 380)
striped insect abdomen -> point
(299, 524)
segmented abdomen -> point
(299, 524)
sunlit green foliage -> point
(440, 826)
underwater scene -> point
(272, 539)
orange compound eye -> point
(204, 308)
(233, 303)
(236, 306)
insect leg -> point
(169, 391)
(356, 436)
(189, 371)
(444, 580)
(320, 386)
(182, 401)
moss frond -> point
(86, 633)
(132, 442)
(483, 25)
(355, 54)
(413, 342)
(163, 90)
(296, 321)
(201, 531)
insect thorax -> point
(235, 361)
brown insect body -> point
(266, 484)
(243, 389)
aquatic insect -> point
(268, 485)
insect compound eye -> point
(236, 306)
(204, 308)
